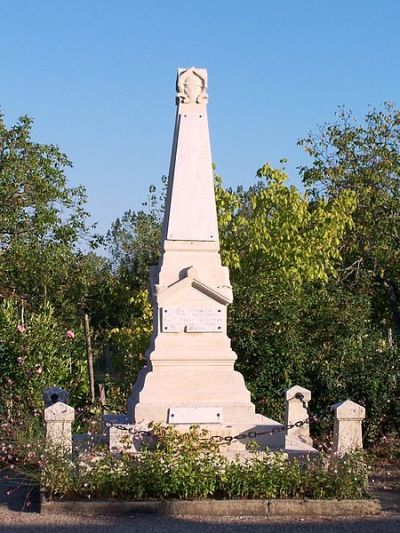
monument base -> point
(194, 391)
(233, 441)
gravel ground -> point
(19, 514)
(12, 521)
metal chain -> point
(228, 439)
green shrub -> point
(190, 466)
(182, 465)
(321, 338)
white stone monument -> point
(189, 377)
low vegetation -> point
(190, 466)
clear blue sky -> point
(98, 78)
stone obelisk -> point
(189, 377)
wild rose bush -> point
(37, 354)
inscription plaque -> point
(195, 415)
(192, 319)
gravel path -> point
(15, 522)
(19, 514)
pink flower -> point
(31, 455)
(21, 328)
(70, 334)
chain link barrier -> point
(228, 439)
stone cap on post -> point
(348, 410)
(290, 394)
(52, 395)
(296, 410)
(59, 412)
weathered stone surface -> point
(295, 411)
(120, 438)
(324, 507)
(215, 508)
(347, 429)
(59, 418)
(210, 508)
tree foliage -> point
(37, 354)
(295, 320)
(275, 230)
(364, 159)
(315, 274)
(41, 219)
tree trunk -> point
(393, 294)
(107, 359)
(89, 355)
(102, 395)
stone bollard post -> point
(347, 427)
(59, 418)
(295, 411)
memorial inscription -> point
(195, 415)
(192, 319)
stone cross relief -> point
(192, 86)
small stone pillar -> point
(297, 399)
(347, 428)
(59, 418)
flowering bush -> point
(37, 354)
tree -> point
(117, 297)
(134, 243)
(278, 246)
(41, 219)
(37, 354)
(274, 233)
(44, 277)
(295, 320)
(364, 159)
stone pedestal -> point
(297, 400)
(59, 418)
(347, 427)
